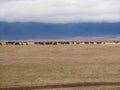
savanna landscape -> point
(60, 67)
(59, 44)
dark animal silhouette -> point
(0, 44)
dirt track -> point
(89, 84)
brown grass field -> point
(60, 67)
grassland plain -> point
(34, 65)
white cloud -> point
(60, 11)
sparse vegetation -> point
(34, 65)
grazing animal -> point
(48, 43)
(10, 43)
(86, 42)
(116, 42)
(98, 42)
(54, 43)
(77, 42)
(17, 43)
(26, 43)
(21, 43)
(39, 43)
(91, 42)
(0, 44)
(73, 42)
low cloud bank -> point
(60, 11)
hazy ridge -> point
(36, 30)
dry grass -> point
(34, 65)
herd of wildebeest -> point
(57, 42)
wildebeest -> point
(77, 42)
(39, 43)
(91, 42)
(0, 44)
(116, 42)
(12, 43)
(21, 43)
(54, 43)
(17, 43)
(64, 42)
(73, 42)
(98, 42)
(9, 43)
(67, 43)
(86, 42)
(48, 43)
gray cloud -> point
(60, 11)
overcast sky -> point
(60, 11)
